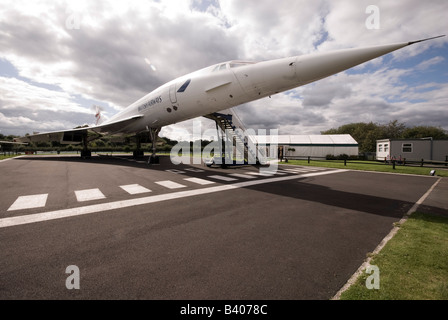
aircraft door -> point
(173, 96)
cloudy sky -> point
(59, 58)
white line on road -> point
(72, 212)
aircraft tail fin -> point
(97, 110)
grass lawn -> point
(412, 266)
(3, 157)
(369, 166)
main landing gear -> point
(85, 152)
(153, 134)
(139, 153)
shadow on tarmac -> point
(125, 160)
(115, 160)
(304, 189)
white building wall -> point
(320, 151)
(315, 146)
(410, 149)
(383, 149)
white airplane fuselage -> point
(220, 87)
(232, 83)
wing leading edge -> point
(75, 136)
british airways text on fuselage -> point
(150, 103)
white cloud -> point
(267, 31)
(400, 21)
(428, 63)
(31, 108)
(16, 93)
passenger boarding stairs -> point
(241, 142)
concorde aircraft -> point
(216, 88)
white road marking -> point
(224, 178)
(194, 170)
(199, 181)
(301, 170)
(284, 171)
(279, 173)
(28, 202)
(72, 212)
(134, 189)
(240, 175)
(295, 170)
(175, 171)
(263, 174)
(89, 194)
(170, 184)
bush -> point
(340, 157)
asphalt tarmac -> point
(138, 231)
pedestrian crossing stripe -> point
(170, 184)
(199, 181)
(89, 195)
(223, 178)
(28, 202)
(134, 189)
(240, 175)
(194, 170)
(175, 171)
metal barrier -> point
(393, 162)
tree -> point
(425, 132)
(393, 130)
(366, 134)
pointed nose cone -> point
(313, 67)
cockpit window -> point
(231, 64)
(222, 66)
